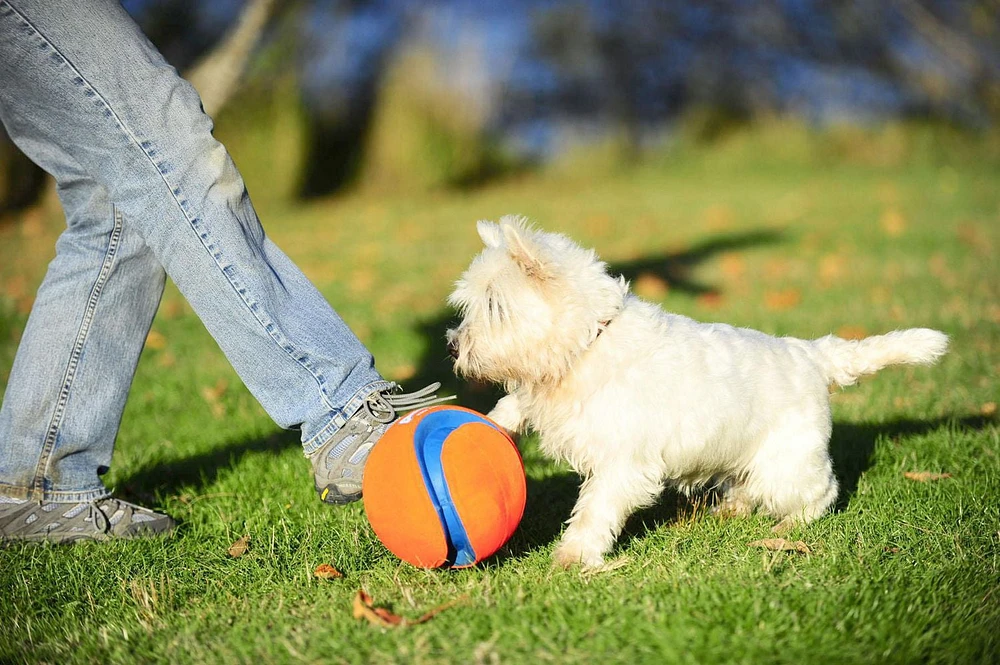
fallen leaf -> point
(779, 300)
(852, 332)
(25, 304)
(156, 340)
(831, 268)
(781, 545)
(651, 286)
(925, 476)
(325, 571)
(776, 268)
(403, 372)
(893, 223)
(600, 223)
(15, 287)
(988, 409)
(239, 548)
(364, 608)
(606, 567)
(173, 308)
(972, 235)
(212, 394)
(361, 281)
(719, 217)
(710, 300)
(732, 265)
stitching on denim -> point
(193, 222)
(52, 435)
(34, 494)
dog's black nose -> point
(453, 348)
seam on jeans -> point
(52, 434)
(193, 222)
(58, 496)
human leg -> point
(82, 85)
(78, 353)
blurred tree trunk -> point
(217, 75)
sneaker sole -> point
(330, 494)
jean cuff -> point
(54, 496)
(340, 417)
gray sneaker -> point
(101, 519)
(338, 464)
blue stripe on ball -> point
(429, 439)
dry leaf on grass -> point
(925, 476)
(239, 548)
(364, 608)
(782, 300)
(156, 340)
(710, 300)
(852, 332)
(732, 265)
(325, 571)
(893, 223)
(212, 394)
(606, 567)
(781, 545)
(651, 286)
(988, 409)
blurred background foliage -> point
(319, 96)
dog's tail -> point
(846, 360)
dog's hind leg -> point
(735, 502)
(791, 476)
(606, 500)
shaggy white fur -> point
(634, 397)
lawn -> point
(774, 229)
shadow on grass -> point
(201, 470)
(852, 445)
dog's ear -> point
(489, 232)
(522, 249)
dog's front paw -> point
(570, 554)
(507, 414)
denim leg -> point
(79, 351)
(84, 89)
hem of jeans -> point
(53, 496)
(341, 416)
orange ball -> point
(444, 486)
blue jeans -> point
(147, 192)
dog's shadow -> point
(852, 446)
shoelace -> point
(98, 516)
(385, 404)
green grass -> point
(775, 229)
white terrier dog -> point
(633, 397)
